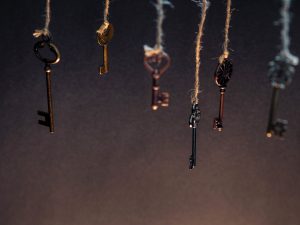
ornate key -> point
(47, 43)
(104, 36)
(222, 76)
(280, 74)
(157, 64)
(193, 123)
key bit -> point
(157, 64)
(222, 76)
(104, 36)
(193, 123)
(47, 43)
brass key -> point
(104, 36)
(157, 64)
(47, 43)
(222, 76)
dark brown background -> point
(112, 161)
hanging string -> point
(158, 48)
(226, 33)
(204, 6)
(45, 31)
(106, 10)
(285, 38)
(104, 26)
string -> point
(285, 38)
(106, 11)
(103, 28)
(226, 33)
(204, 6)
(45, 31)
(158, 48)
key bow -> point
(223, 73)
(105, 33)
(195, 116)
(281, 71)
(157, 63)
(46, 42)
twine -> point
(204, 6)
(225, 54)
(45, 31)
(158, 48)
(285, 38)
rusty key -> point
(104, 36)
(222, 76)
(157, 64)
(47, 43)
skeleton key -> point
(104, 36)
(280, 74)
(222, 76)
(47, 43)
(193, 123)
(157, 64)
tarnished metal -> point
(222, 76)
(194, 120)
(47, 43)
(157, 64)
(281, 72)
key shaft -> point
(105, 66)
(49, 98)
(193, 123)
(275, 126)
(194, 143)
(218, 122)
(158, 98)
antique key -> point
(280, 74)
(104, 36)
(157, 64)
(222, 76)
(47, 43)
(193, 123)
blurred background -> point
(112, 160)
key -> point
(222, 76)
(157, 64)
(104, 36)
(280, 74)
(193, 123)
(46, 43)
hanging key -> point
(157, 64)
(40, 45)
(193, 123)
(280, 74)
(104, 36)
(222, 76)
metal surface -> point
(157, 64)
(104, 36)
(193, 123)
(281, 72)
(47, 43)
(222, 76)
